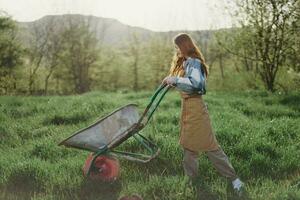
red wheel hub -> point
(104, 168)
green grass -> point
(260, 132)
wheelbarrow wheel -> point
(105, 168)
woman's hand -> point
(170, 80)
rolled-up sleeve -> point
(195, 79)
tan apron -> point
(196, 133)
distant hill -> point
(109, 31)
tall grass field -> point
(259, 131)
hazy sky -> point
(157, 15)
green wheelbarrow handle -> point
(153, 104)
(152, 148)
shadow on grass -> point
(204, 192)
(23, 184)
(90, 189)
(28, 189)
(100, 190)
(291, 101)
(60, 120)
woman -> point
(188, 74)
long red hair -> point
(187, 48)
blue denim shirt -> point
(194, 80)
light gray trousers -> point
(218, 158)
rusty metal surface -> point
(105, 130)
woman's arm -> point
(195, 79)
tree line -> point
(73, 59)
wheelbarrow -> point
(102, 137)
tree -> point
(37, 50)
(79, 54)
(266, 35)
(293, 55)
(105, 73)
(134, 51)
(10, 54)
(159, 56)
(52, 51)
(217, 54)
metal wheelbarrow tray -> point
(112, 130)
